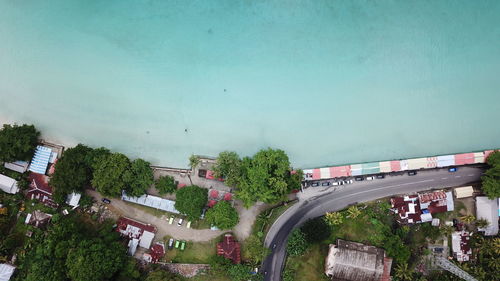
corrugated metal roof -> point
(8, 185)
(356, 170)
(6, 271)
(40, 160)
(462, 192)
(385, 166)
(153, 202)
(417, 163)
(370, 168)
(478, 157)
(325, 173)
(445, 160)
(487, 209)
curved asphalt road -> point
(315, 203)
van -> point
(369, 178)
(180, 222)
(412, 173)
(171, 220)
(171, 243)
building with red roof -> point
(156, 252)
(419, 208)
(230, 249)
(138, 233)
(40, 190)
(214, 194)
(460, 241)
(228, 196)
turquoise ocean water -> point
(328, 81)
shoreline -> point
(69, 144)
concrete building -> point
(17, 166)
(488, 209)
(140, 234)
(351, 261)
(460, 245)
(464, 192)
(8, 185)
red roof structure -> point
(341, 171)
(228, 196)
(123, 223)
(230, 249)
(395, 166)
(464, 158)
(157, 252)
(214, 194)
(316, 174)
(40, 190)
(211, 203)
(181, 185)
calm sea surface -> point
(328, 81)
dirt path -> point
(247, 218)
(178, 232)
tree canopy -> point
(491, 178)
(222, 215)
(18, 142)
(73, 171)
(163, 275)
(316, 230)
(138, 177)
(109, 174)
(297, 244)
(165, 184)
(228, 166)
(191, 200)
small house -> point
(8, 185)
(138, 233)
(38, 219)
(40, 190)
(464, 192)
(460, 245)
(487, 209)
(230, 249)
(6, 271)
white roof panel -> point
(487, 209)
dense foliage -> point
(109, 174)
(228, 167)
(162, 275)
(191, 200)
(165, 184)
(297, 244)
(265, 177)
(18, 142)
(316, 230)
(491, 178)
(237, 272)
(138, 177)
(255, 250)
(222, 215)
(73, 172)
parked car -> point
(188, 224)
(177, 244)
(380, 176)
(314, 184)
(180, 222)
(336, 183)
(171, 220)
(412, 173)
(183, 245)
(359, 178)
(369, 178)
(325, 183)
(452, 169)
(348, 181)
(106, 200)
(171, 243)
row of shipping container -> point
(396, 165)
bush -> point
(165, 184)
(223, 215)
(18, 142)
(297, 243)
(316, 230)
(191, 200)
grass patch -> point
(149, 210)
(195, 252)
(310, 266)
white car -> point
(180, 222)
(348, 181)
(369, 178)
(335, 183)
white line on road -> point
(458, 176)
(471, 175)
(443, 178)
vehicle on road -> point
(171, 220)
(106, 200)
(180, 222)
(359, 178)
(452, 169)
(183, 245)
(326, 183)
(336, 183)
(348, 181)
(380, 176)
(314, 184)
(369, 178)
(177, 243)
(171, 243)
(188, 224)
(412, 173)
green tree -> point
(163, 275)
(491, 178)
(191, 200)
(316, 230)
(334, 218)
(255, 250)
(240, 272)
(138, 177)
(228, 166)
(194, 161)
(297, 243)
(482, 223)
(468, 219)
(223, 215)
(165, 184)
(354, 212)
(109, 174)
(264, 177)
(402, 272)
(73, 172)
(18, 142)
(95, 260)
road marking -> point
(443, 178)
(458, 176)
(471, 175)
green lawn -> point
(194, 252)
(310, 266)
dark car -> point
(359, 178)
(315, 184)
(106, 200)
(452, 169)
(412, 173)
(380, 176)
(326, 183)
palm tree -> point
(468, 218)
(194, 161)
(334, 218)
(496, 245)
(402, 272)
(482, 223)
(354, 212)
